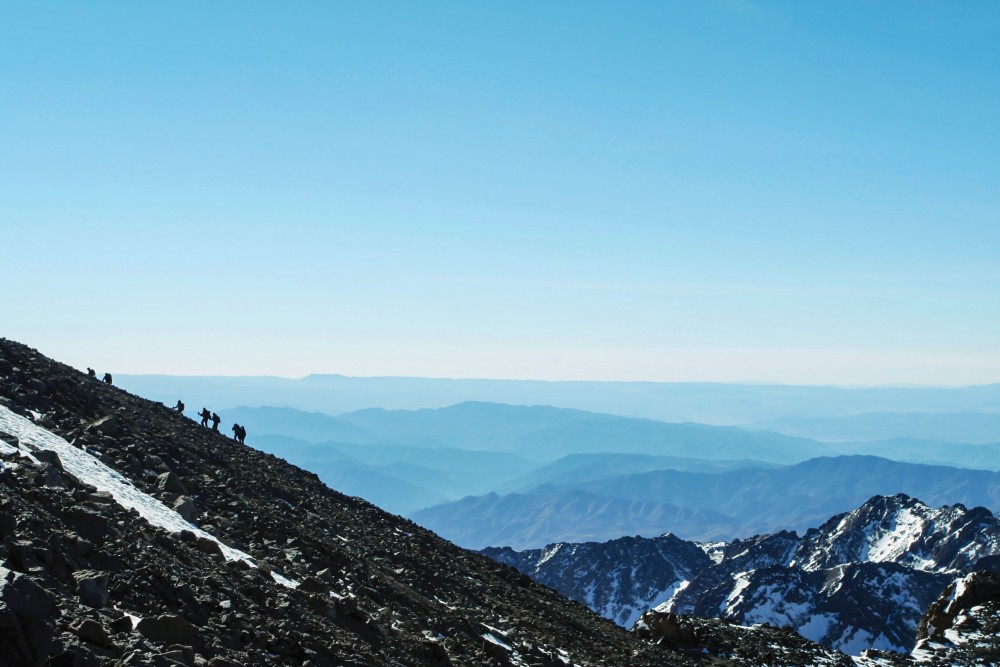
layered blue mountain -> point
(545, 434)
(972, 427)
(397, 478)
(576, 468)
(737, 503)
(527, 520)
(405, 460)
(722, 404)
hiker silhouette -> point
(91, 373)
(107, 378)
(242, 435)
(205, 416)
(215, 421)
(180, 406)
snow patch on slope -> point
(89, 470)
(893, 544)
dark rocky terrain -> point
(85, 581)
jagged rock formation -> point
(902, 530)
(860, 581)
(275, 568)
(620, 579)
(963, 625)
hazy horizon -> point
(750, 383)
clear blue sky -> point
(722, 190)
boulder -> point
(122, 624)
(186, 508)
(109, 426)
(169, 482)
(92, 587)
(91, 631)
(26, 634)
(88, 523)
(50, 475)
(168, 629)
(313, 585)
(209, 546)
(48, 456)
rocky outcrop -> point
(962, 596)
(619, 579)
(962, 627)
(736, 644)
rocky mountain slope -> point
(273, 567)
(861, 580)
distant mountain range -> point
(398, 478)
(707, 403)
(544, 434)
(974, 427)
(486, 474)
(407, 460)
(701, 506)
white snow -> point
(515, 657)
(490, 637)
(771, 606)
(8, 449)
(816, 627)
(714, 550)
(92, 471)
(893, 544)
(960, 586)
(668, 604)
(854, 641)
(547, 554)
(742, 581)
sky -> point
(726, 190)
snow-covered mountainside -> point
(620, 579)
(902, 530)
(860, 581)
